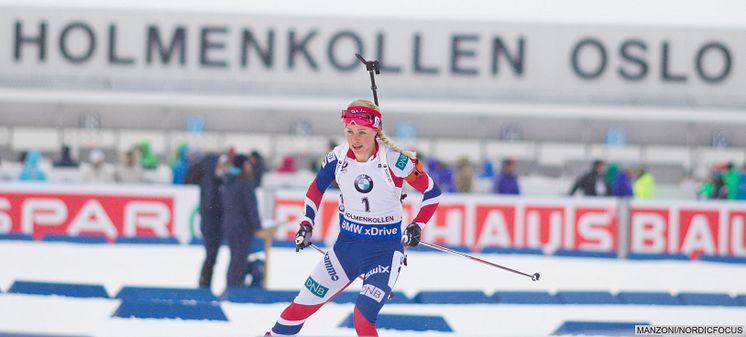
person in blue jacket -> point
(240, 217)
(180, 165)
(506, 182)
(31, 170)
(622, 186)
(741, 186)
(212, 167)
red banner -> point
(111, 215)
(688, 228)
(479, 222)
(592, 225)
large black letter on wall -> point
(516, 61)
(642, 65)
(206, 45)
(300, 47)
(113, 57)
(39, 40)
(247, 39)
(418, 67)
(715, 46)
(458, 52)
(589, 75)
(88, 31)
(353, 60)
(666, 74)
(178, 40)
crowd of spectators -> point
(725, 180)
(610, 180)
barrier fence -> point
(604, 227)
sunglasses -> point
(362, 116)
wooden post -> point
(266, 234)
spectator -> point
(443, 177)
(730, 179)
(506, 182)
(488, 172)
(610, 175)
(464, 175)
(231, 153)
(622, 186)
(287, 165)
(721, 190)
(741, 188)
(240, 218)
(99, 171)
(210, 211)
(257, 167)
(31, 170)
(147, 159)
(180, 165)
(195, 171)
(644, 183)
(129, 171)
(706, 189)
(593, 183)
(65, 159)
(714, 187)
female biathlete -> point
(370, 171)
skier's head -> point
(362, 122)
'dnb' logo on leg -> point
(315, 288)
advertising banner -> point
(482, 221)
(108, 210)
(689, 228)
(692, 228)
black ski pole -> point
(534, 276)
(372, 67)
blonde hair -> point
(380, 134)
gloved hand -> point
(411, 236)
(303, 237)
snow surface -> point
(177, 266)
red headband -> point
(363, 116)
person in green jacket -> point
(643, 185)
(713, 187)
(706, 190)
(610, 174)
(147, 159)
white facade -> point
(540, 54)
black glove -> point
(411, 236)
(303, 237)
